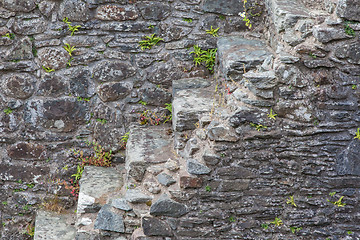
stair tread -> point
(53, 226)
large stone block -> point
(286, 13)
(26, 173)
(154, 10)
(348, 161)
(74, 10)
(113, 91)
(108, 220)
(55, 58)
(238, 55)
(30, 27)
(19, 5)
(188, 106)
(155, 227)
(167, 207)
(229, 7)
(27, 151)
(146, 146)
(108, 71)
(349, 9)
(18, 85)
(52, 226)
(96, 183)
(116, 13)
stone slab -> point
(188, 107)
(237, 54)
(146, 146)
(97, 182)
(52, 226)
(286, 13)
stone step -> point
(238, 55)
(286, 13)
(192, 98)
(146, 146)
(53, 226)
(97, 186)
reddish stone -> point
(190, 182)
(27, 151)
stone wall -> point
(49, 113)
(237, 168)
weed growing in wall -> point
(99, 157)
(357, 134)
(205, 56)
(213, 32)
(149, 42)
(71, 28)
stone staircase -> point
(163, 164)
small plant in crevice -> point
(168, 106)
(208, 188)
(265, 226)
(69, 48)
(150, 26)
(349, 232)
(354, 87)
(80, 99)
(149, 42)
(8, 111)
(53, 204)
(9, 36)
(124, 140)
(232, 219)
(258, 127)
(291, 201)
(101, 120)
(99, 157)
(339, 202)
(277, 222)
(30, 230)
(213, 32)
(205, 56)
(357, 134)
(71, 28)
(295, 229)
(48, 69)
(244, 15)
(348, 30)
(188, 20)
(272, 115)
(142, 103)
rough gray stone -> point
(46, 7)
(30, 27)
(54, 58)
(191, 147)
(80, 85)
(154, 10)
(167, 207)
(52, 226)
(188, 106)
(27, 151)
(315, 63)
(108, 71)
(121, 203)
(348, 9)
(53, 85)
(19, 5)
(196, 168)
(210, 158)
(165, 179)
(292, 38)
(156, 96)
(286, 13)
(348, 161)
(18, 85)
(21, 51)
(144, 147)
(116, 13)
(112, 91)
(189, 83)
(221, 133)
(155, 227)
(74, 10)
(349, 51)
(109, 221)
(327, 34)
(237, 54)
(234, 172)
(261, 80)
(229, 7)
(136, 196)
